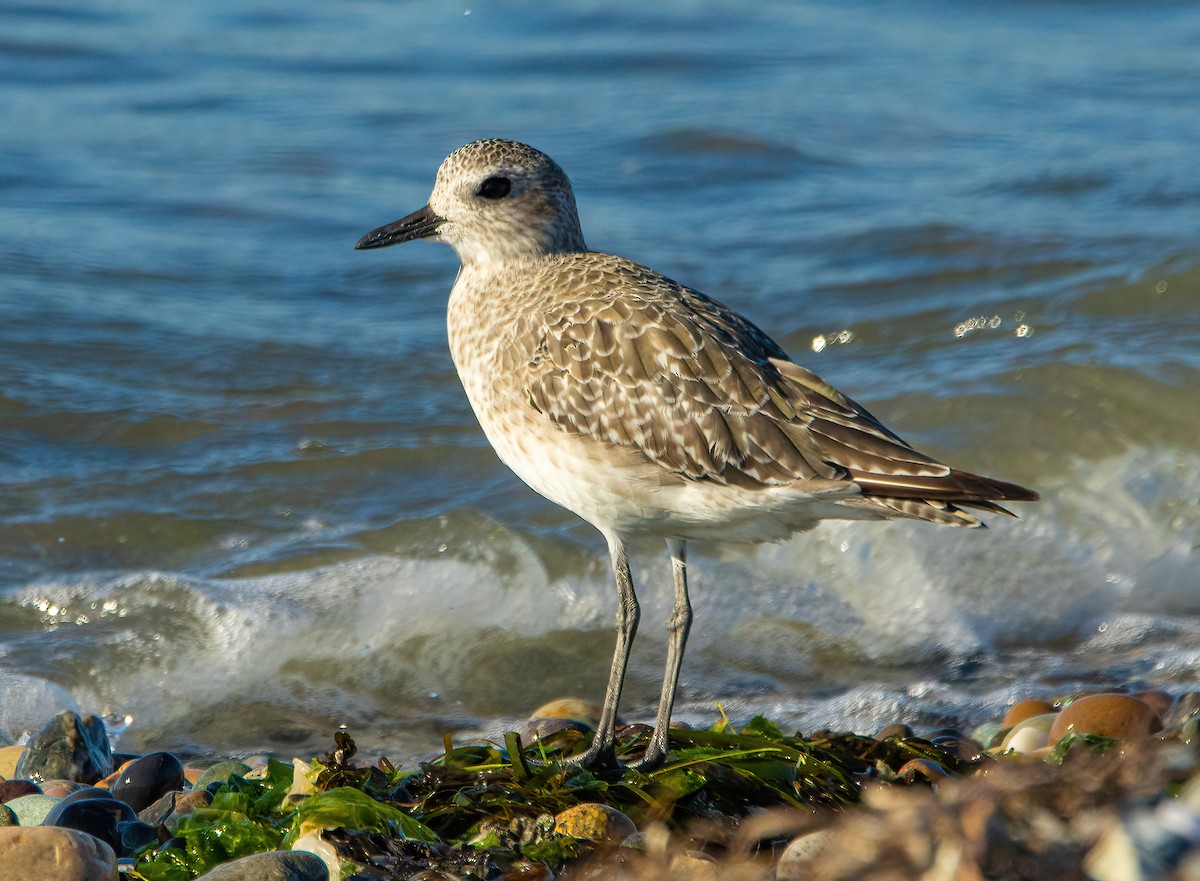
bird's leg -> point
(677, 632)
(601, 751)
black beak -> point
(418, 225)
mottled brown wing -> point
(702, 392)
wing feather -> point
(700, 391)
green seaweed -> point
(485, 803)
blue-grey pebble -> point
(96, 816)
(144, 781)
(133, 835)
(276, 865)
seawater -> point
(242, 497)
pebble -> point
(313, 843)
(1032, 733)
(1022, 710)
(277, 865)
(795, 863)
(913, 769)
(9, 756)
(221, 772)
(49, 853)
(32, 809)
(1108, 715)
(146, 780)
(69, 747)
(575, 708)
(96, 816)
(8, 817)
(10, 789)
(896, 729)
(594, 822)
(133, 835)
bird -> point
(646, 407)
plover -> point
(646, 407)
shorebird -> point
(644, 406)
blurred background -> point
(243, 499)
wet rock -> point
(156, 814)
(313, 843)
(922, 769)
(61, 788)
(186, 802)
(48, 853)
(896, 729)
(1109, 715)
(1022, 710)
(10, 789)
(570, 708)
(594, 822)
(7, 816)
(95, 816)
(9, 756)
(277, 865)
(146, 780)
(221, 772)
(69, 747)
(133, 835)
(1030, 734)
(32, 809)
(796, 861)
(166, 812)
(989, 734)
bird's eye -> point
(494, 188)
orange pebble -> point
(1026, 709)
(1109, 715)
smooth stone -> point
(32, 809)
(989, 734)
(1026, 741)
(10, 789)
(9, 756)
(594, 822)
(694, 866)
(896, 729)
(1108, 715)
(795, 861)
(95, 816)
(276, 865)
(85, 792)
(575, 708)
(112, 778)
(185, 803)
(50, 853)
(313, 843)
(61, 788)
(8, 817)
(220, 773)
(69, 747)
(156, 814)
(133, 835)
(168, 810)
(1039, 726)
(1022, 710)
(914, 768)
(146, 780)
